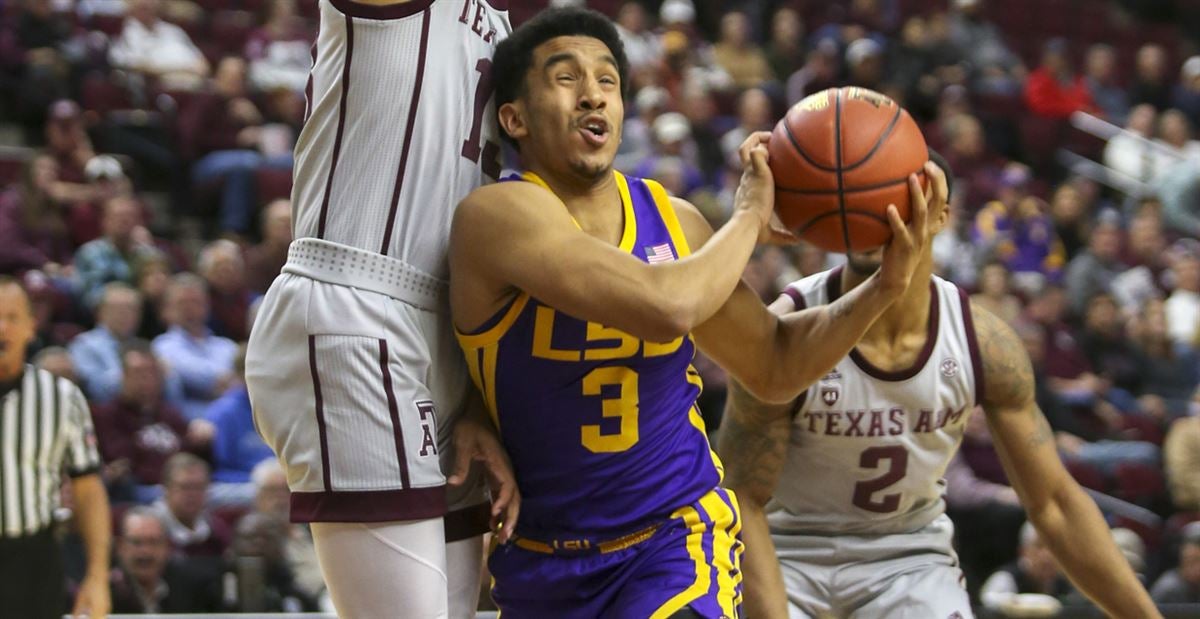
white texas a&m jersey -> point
(400, 124)
(869, 448)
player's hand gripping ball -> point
(839, 158)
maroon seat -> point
(1087, 475)
(273, 183)
(1139, 483)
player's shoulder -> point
(503, 202)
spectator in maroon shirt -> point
(221, 265)
(265, 260)
(1054, 90)
(184, 509)
(33, 223)
(224, 132)
(138, 431)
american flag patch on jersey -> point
(659, 253)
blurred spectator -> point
(954, 255)
(864, 63)
(1182, 584)
(785, 50)
(1169, 373)
(1036, 571)
(67, 140)
(637, 135)
(967, 153)
(271, 498)
(1179, 189)
(57, 361)
(1150, 77)
(912, 56)
(222, 266)
(1054, 90)
(203, 361)
(1181, 455)
(674, 144)
(265, 260)
(1017, 230)
(152, 272)
(1183, 306)
(641, 45)
(147, 580)
(1186, 94)
(737, 53)
(1070, 214)
(34, 53)
(994, 66)
(110, 257)
(97, 353)
(1107, 346)
(34, 230)
(192, 531)
(754, 114)
(1130, 152)
(138, 431)
(236, 446)
(1077, 440)
(820, 71)
(157, 48)
(257, 576)
(1176, 132)
(226, 131)
(280, 51)
(1093, 270)
(994, 294)
(1100, 78)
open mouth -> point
(594, 130)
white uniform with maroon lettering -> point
(352, 364)
(858, 516)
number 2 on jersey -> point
(623, 407)
(470, 148)
(864, 491)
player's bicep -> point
(519, 236)
(1022, 436)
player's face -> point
(864, 263)
(572, 109)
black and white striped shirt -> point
(45, 428)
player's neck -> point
(581, 195)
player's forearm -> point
(765, 595)
(693, 289)
(812, 341)
(1076, 533)
(94, 521)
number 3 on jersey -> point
(471, 148)
(864, 491)
(623, 407)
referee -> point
(45, 428)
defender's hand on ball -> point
(474, 441)
(904, 251)
(756, 191)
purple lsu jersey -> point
(602, 427)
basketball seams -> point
(853, 211)
(820, 192)
(883, 136)
(800, 151)
(837, 153)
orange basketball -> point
(839, 158)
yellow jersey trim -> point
(667, 212)
(629, 226)
(497, 331)
(695, 539)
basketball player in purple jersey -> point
(576, 291)
(355, 378)
(842, 489)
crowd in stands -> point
(145, 164)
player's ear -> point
(512, 120)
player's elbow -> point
(665, 322)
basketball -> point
(839, 158)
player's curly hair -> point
(514, 55)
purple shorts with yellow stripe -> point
(692, 560)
